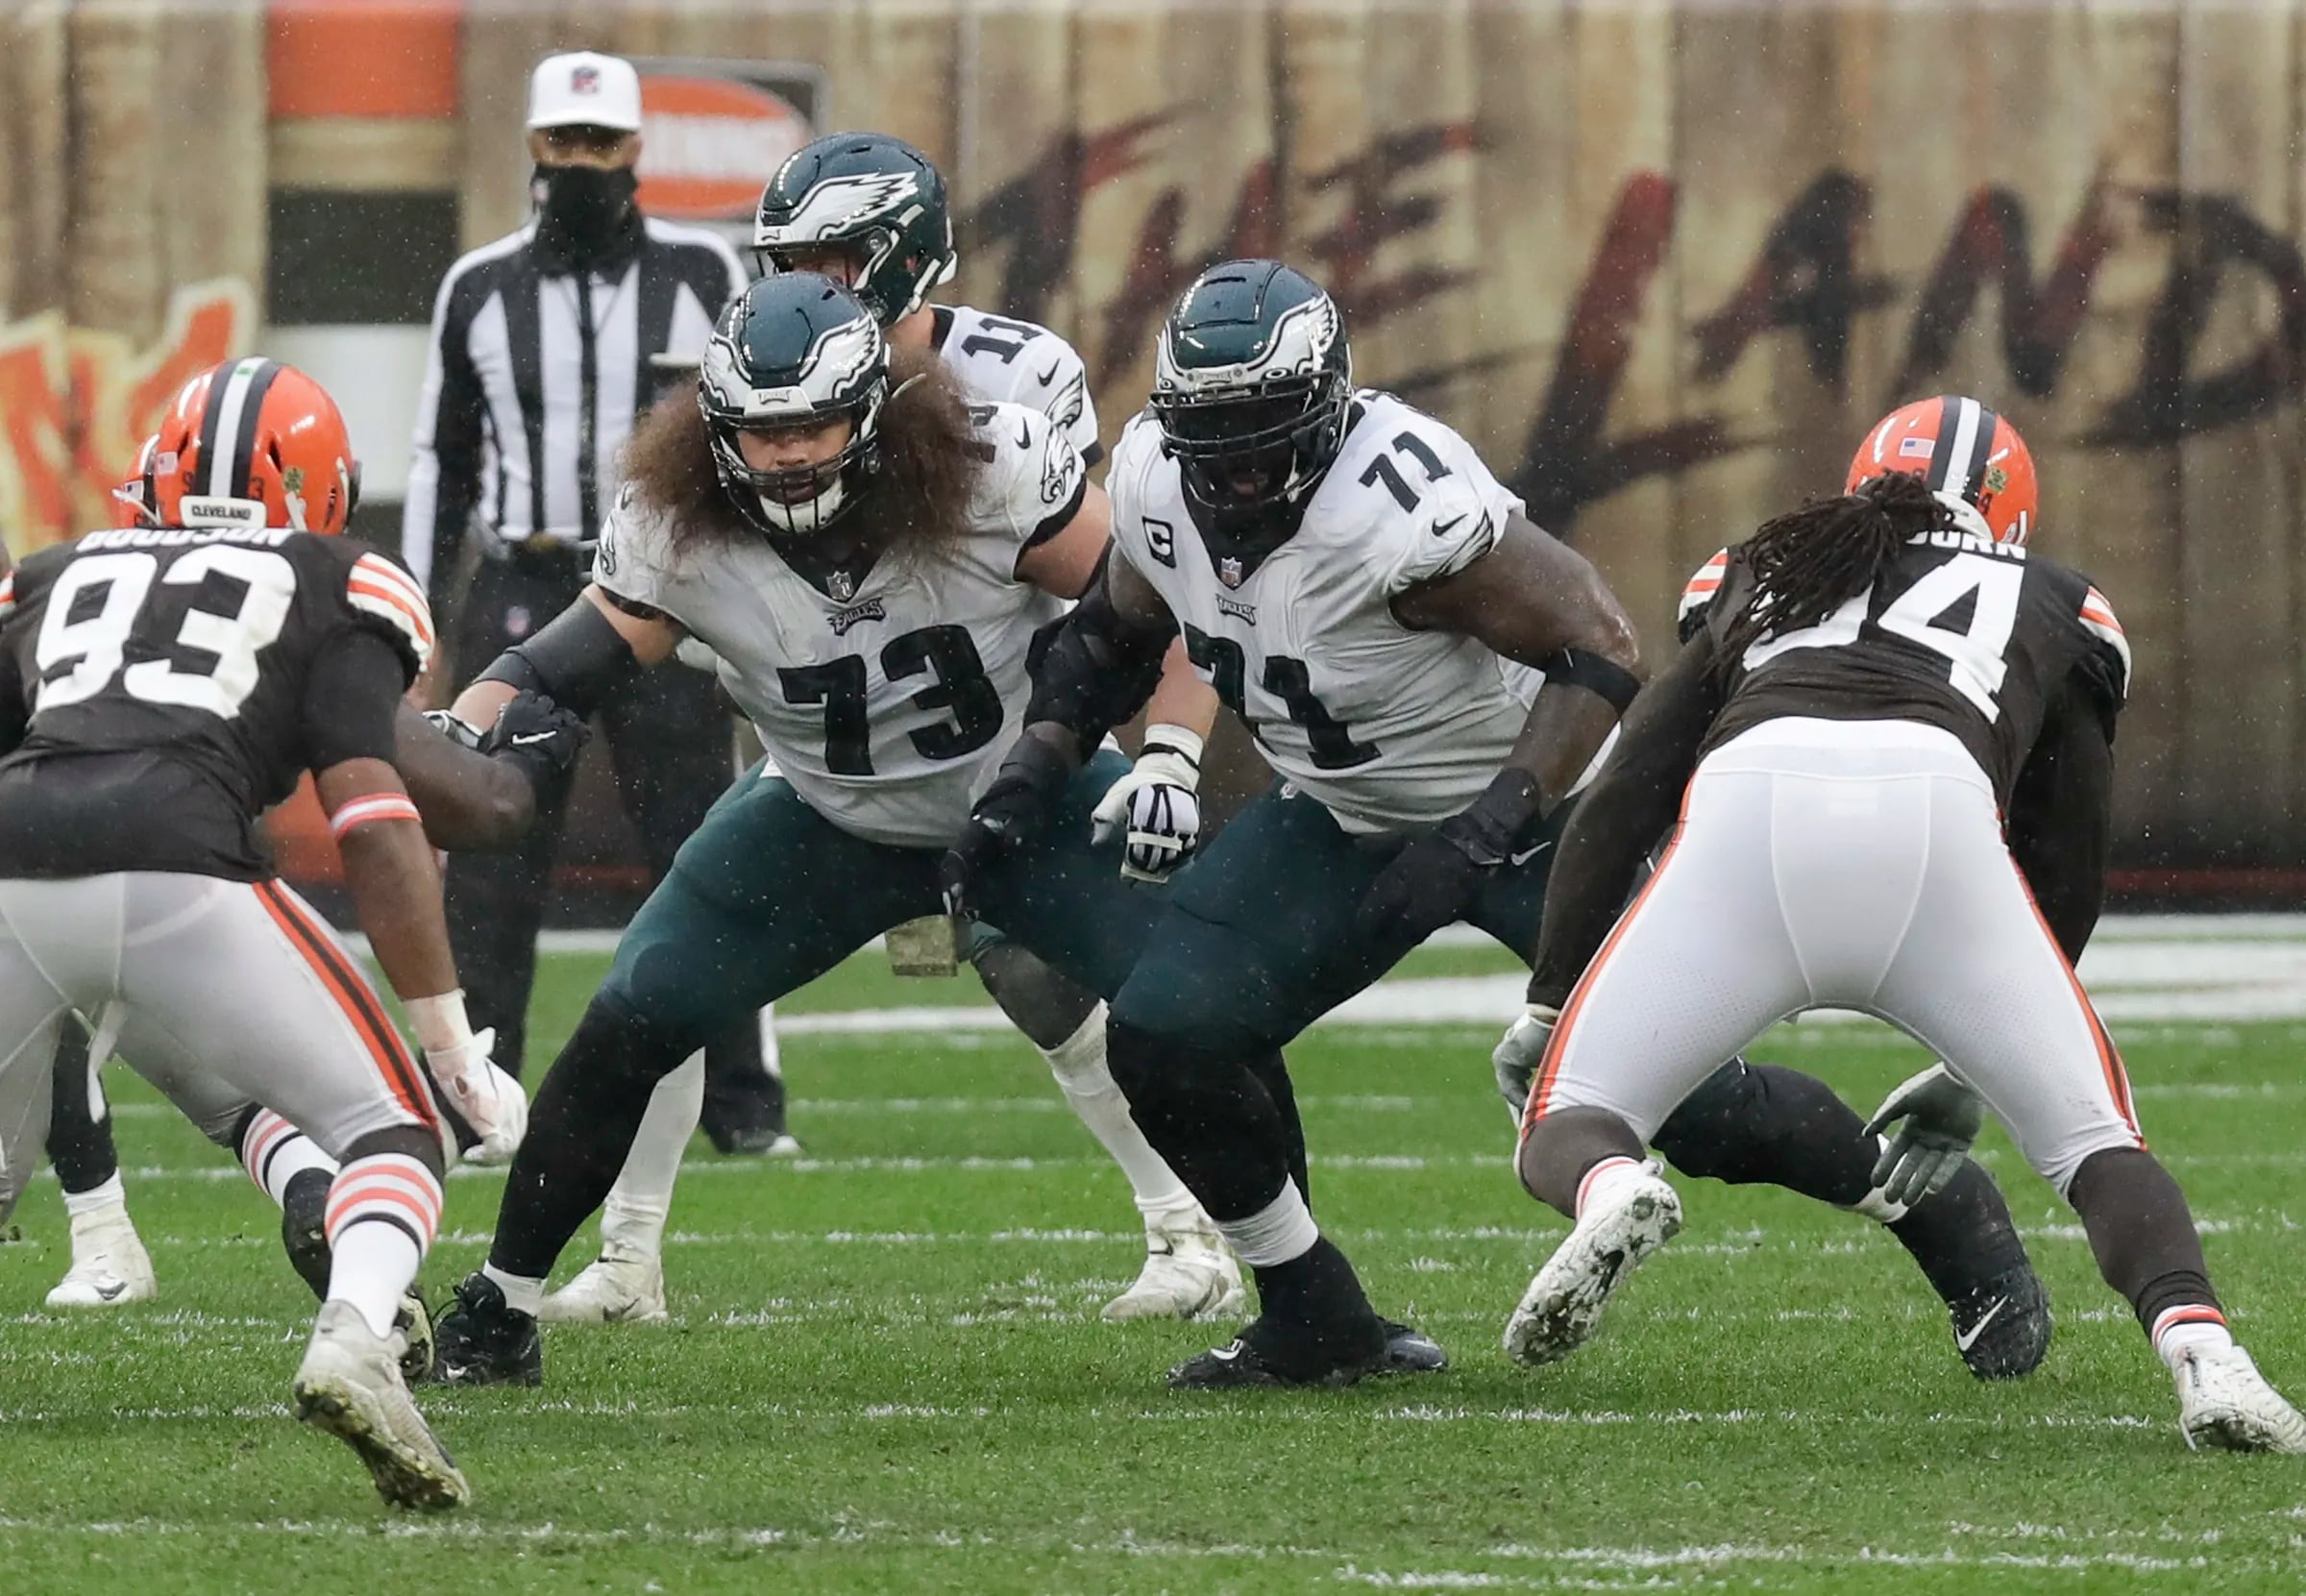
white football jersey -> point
(888, 707)
(998, 357)
(1387, 727)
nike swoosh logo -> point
(1226, 1354)
(527, 737)
(1524, 857)
(1442, 529)
(110, 1290)
(1025, 436)
(1963, 1343)
(1050, 376)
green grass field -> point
(886, 1373)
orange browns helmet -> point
(1971, 455)
(132, 500)
(251, 442)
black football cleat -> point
(750, 1119)
(1251, 1362)
(483, 1342)
(2002, 1328)
(1411, 1351)
(303, 1228)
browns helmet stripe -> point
(226, 424)
(244, 442)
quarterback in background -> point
(869, 212)
(1891, 745)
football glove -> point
(1434, 878)
(537, 735)
(1937, 1118)
(1016, 809)
(1154, 810)
(1518, 1054)
(491, 1101)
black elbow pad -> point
(1096, 671)
(578, 660)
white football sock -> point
(383, 1211)
(633, 1217)
(274, 1152)
(523, 1293)
(771, 1059)
(98, 1202)
(1078, 1063)
(1606, 1177)
(1276, 1233)
(2194, 1327)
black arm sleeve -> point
(576, 660)
(1099, 668)
(2062, 815)
(352, 693)
(1620, 818)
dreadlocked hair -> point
(1808, 564)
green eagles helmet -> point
(1250, 388)
(794, 350)
(871, 194)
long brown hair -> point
(1808, 564)
(918, 504)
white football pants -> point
(229, 994)
(1853, 865)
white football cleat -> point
(620, 1286)
(2225, 1402)
(1563, 1305)
(349, 1386)
(109, 1265)
(1190, 1273)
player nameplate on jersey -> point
(1229, 570)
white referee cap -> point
(586, 88)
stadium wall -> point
(1662, 263)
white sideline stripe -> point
(2112, 928)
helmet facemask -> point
(791, 504)
(1243, 451)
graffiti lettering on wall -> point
(76, 402)
(1809, 280)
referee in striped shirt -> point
(541, 358)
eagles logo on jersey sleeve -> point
(999, 358)
(634, 558)
(1034, 484)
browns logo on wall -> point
(711, 132)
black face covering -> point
(585, 215)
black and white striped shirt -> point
(504, 446)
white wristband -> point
(439, 1023)
(1185, 742)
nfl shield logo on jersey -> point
(842, 586)
(1229, 570)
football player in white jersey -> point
(871, 213)
(872, 560)
(1430, 675)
